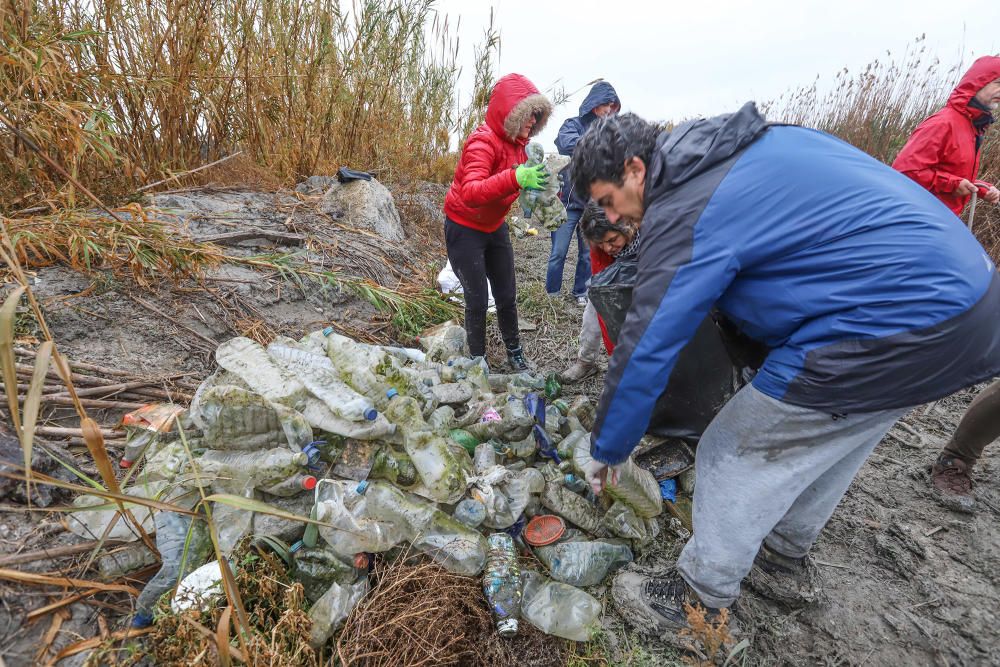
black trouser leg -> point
(467, 254)
(500, 271)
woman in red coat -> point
(489, 177)
(942, 154)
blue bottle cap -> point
(295, 547)
(312, 452)
(371, 414)
(570, 478)
(391, 392)
(327, 331)
(362, 486)
(142, 620)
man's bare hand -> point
(992, 195)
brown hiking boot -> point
(794, 582)
(580, 370)
(952, 481)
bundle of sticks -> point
(100, 388)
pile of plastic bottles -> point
(543, 206)
(393, 447)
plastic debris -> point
(559, 609)
(502, 583)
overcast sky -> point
(677, 60)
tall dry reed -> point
(878, 107)
(125, 92)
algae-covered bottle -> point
(502, 583)
(394, 466)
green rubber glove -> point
(532, 178)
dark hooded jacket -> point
(484, 187)
(572, 129)
(944, 149)
(867, 294)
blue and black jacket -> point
(570, 132)
(865, 288)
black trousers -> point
(477, 256)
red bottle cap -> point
(308, 482)
(125, 463)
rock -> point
(316, 185)
(364, 205)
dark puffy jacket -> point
(572, 129)
(867, 293)
(944, 149)
(484, 187)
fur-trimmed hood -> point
(513, 100)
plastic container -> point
(621, 520)
(253, 365)
(171, 534)
(319, 376)
(332, 609)
(234, 419)
(443, 470)
(484, 459)
(352, 527)
(238, 471)
(445, 342)
(395, 467)
(442, 418)
(294, 485)
(93, 514)
(470, 512)
(638, 488)
(502, 583)
(583, 563)
(317, 568)
(404, 412)
(559, 609)
(571, 506)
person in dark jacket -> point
(490, 174)
(601, 101)
(869, 304)
(943, 155)
(943, 152)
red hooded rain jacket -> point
(484, 187)
(942, 150)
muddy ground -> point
(905, 580)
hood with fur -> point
(513, 101)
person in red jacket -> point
(943, 152)
(608, 243)
(490, 174)
(942, 155)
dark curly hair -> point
(601, 153)
(594, 224)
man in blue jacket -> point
(601, 101)
(869, 297)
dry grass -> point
(417, 613)
(878, 107)
(127, 92)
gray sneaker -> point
(655, 605)
(794, 582)
(580, 370)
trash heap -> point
(388, 449)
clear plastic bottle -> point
(171, 535)
(404, 412)
(621, 520)
(583, 410)
(638, 488)
(332, 609)
(124, 560)
(252, 364)
(583, 563)
(238, 471)
(444, 470)
(470, 512)
(316, 568)
(395, 467)
(485, 458)
(571, 506)
(559, 609)
(92, 514)
(292, 486)
(351, 527)
(138, 440)
(502, 583)
(319, 376)
(442, 419)
(448, 542)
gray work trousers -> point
(590, 336)
(771, 471)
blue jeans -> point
(561, 239)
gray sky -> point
(670, 61)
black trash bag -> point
(707, 374)
(345, 175)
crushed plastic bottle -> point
(443, 470)
(621, 520)
(316, 568)
(234, 419)
(319, 376)
(470, 512)
(172, 531)
(485, 458)
(544, 206)
(232, 523)
(395, 467)
(445, 342)
(332, 609)
(124, 560)
(638, 488)
(502, 583)
(254, 366)
(442, 418)
(559, 609)
(583, 563)
(351, 526)
(144, 426)
(294, 485)
(93, 514)
(571, 506)
(238, 471)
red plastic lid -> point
(544, 529)
(125, 463)
(361, 560)
(308, 482)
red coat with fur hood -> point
(484, 187)
(942, 150)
